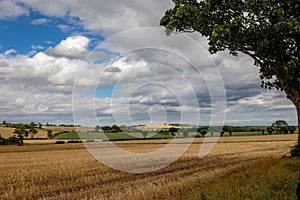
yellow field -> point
(155, 127)
(7, 132)
(70, 172)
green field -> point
(107, 136)
(138, 136)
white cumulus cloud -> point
(72, 47)
(9, 9)
(151, 73)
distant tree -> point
(21, 132)
(252, 129)
(144, 133)
(230, 132)
(292, 129)
(164, 131)
(97, 128)
(106, 129)
(32, 132)
(226, 128)
(113, 129)
(203, 132)
(40, 125)
(4, 122)
(49, 133)
(173, 131)
(32, 125)
(222, 133)
(116, 129)
(258, 129)
(262, 131)
(26, 133)
(270, 130)
(175, 124)
(284, 130)
(13, 140)
(279, 124)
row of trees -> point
(185, 131)
(24, 130)
(21, 125)
(279, 126)
(109, 129)
(11, 140)
(39, 125)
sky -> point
(109, 62)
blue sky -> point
(52, 69)
(23, 34)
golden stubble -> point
(69, 171)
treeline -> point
(263, 130)
(278, 127)
(9, 141)
(21, 125)
(36, 125)
(201, 131)
(109, 129)
(63, 125)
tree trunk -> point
(295, 99)
(298, 115)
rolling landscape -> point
(252, 166)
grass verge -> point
(269, 179)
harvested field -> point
(68, 171)
(6, 132)
(155, 127)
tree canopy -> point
(280, 123)
(267, 31)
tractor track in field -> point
(72, 173)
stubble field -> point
(68, 171)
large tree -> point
(266, 30)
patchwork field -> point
(69, 171)
(7, 132)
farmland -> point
(69, 171)
(7, 132)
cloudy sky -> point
(108, 62)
